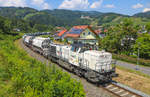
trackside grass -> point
(134, 79)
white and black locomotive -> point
(84, 60)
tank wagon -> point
(41, 45)
(28, 40)
(84, 60)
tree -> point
(5, 26)
(148, 27)
(120, 37)
(41, 28)
(143, 44)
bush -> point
(31, 78)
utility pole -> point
(137, 66)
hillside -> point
(110, 17)
(16, 12)
(48, 19)
(143, 15)
(58, 17)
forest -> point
(31, 20)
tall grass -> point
(21, 75)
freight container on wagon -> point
(65, 52)
(41, 45)
(27, 39)
(40, 42)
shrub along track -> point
(90, 89)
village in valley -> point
(82, 33)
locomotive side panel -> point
(73, 57)
(65, 52)
(59, 51)
(53, 50)
(97, 60)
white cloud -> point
(46, 6)
(37, 2)
(16, 3)
(74, 4)
(41, 3)
(110, 6)
(138, 5)
(96, 4)
(146, 9)
(23, 3)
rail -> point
(120, 90)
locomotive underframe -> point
(89, 74)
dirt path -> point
(90, 89)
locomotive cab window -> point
(74, 49)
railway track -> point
(119, 91)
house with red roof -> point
(83, 33)
(60, 34)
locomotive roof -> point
(97, 53)
(41, 38)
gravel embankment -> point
(90, 89)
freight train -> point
(82, 59)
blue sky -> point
(128, 7)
